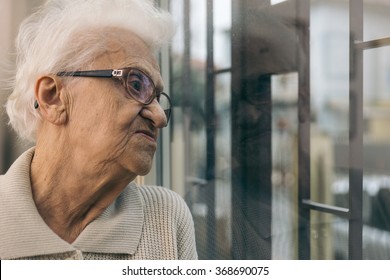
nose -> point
(155, 114)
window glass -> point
(222, 30)
(329, 70)
(376, 152)
(264, 54)
(223, 191)
(284, 164)
(376, 19)
(329, 237)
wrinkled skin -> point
(93, 139)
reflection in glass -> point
(284, 89)
(258, 63)
(223, 194)
(205, 197)
(376, 152)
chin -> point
(143, 168)
(144, 172)
(139, 164)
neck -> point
(70, 190)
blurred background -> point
(280, 136)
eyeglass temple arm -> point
(92, 73)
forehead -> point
(126, 49)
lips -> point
(148, 134)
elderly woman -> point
(88, 93)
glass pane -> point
(265, 66)
(376, 19)
(188, 92)
(329, 71)
(284, 160)
(329, 237)
(222, 27)
(223, 196)
(209, 199)
(376, 203)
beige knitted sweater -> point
(144, 222)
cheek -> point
(137, 156)
(110, 130)
(101, 110)
(102, 120)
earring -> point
(36, 105)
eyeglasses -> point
(138, 85)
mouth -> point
(151, 136)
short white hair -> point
(45, 44)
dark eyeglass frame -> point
(122, 74)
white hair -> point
(46, 44)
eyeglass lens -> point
(165, 104)
(140, 86)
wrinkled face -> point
(114, 132)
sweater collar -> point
(23, 233)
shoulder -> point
(165, 208)
(20, 167)
(165, 204)
(16, 181)
(162, 198)
(158, 193)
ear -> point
(50, 97)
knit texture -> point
(144, 222)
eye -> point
(139, 86)
(135, 84)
